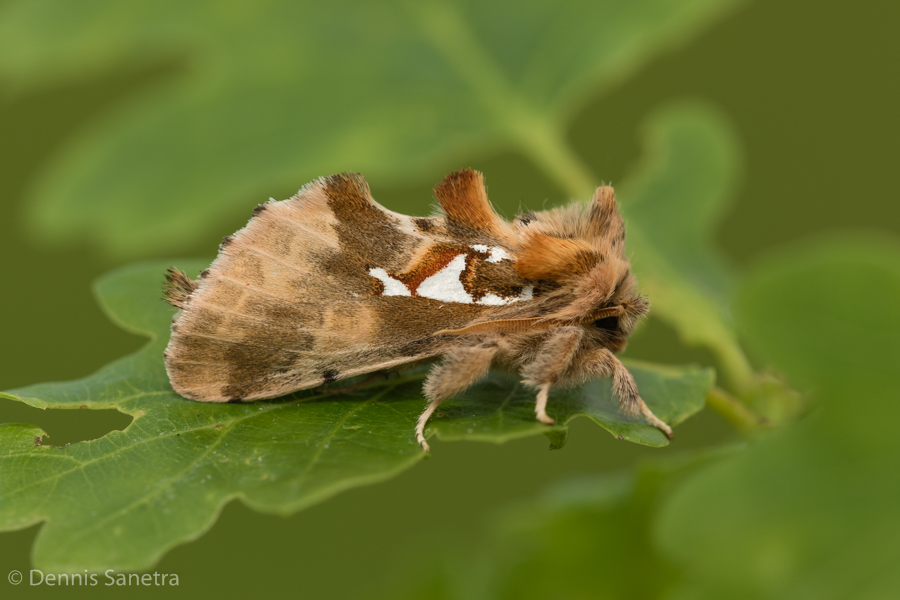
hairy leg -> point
(551, 361)
(460, 368)
(603, 363)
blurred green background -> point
(812, 90)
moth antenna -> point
(582, 314)
(178, 288)
(502, 326)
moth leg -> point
(552, 360)
(460, 368)
(603, 363)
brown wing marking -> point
(269, 317)
(349, 192)
(368, 233)
(464, 199)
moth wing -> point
(280, 295)
(463, 198)
(289, 303)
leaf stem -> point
(736, 412)
(734, 363)
(545, 144)
(540, 138)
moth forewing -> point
(329, 284)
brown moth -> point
(330, 284)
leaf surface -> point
(122, 500)
(587, 537)
(813, 505)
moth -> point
(330, 284)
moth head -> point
(581, 249)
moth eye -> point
(607, 323)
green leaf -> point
(274, 94)
(122, 500)
(677, 393)
(581, 538)
(672, 203)
(597, 526)
(809, 511)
